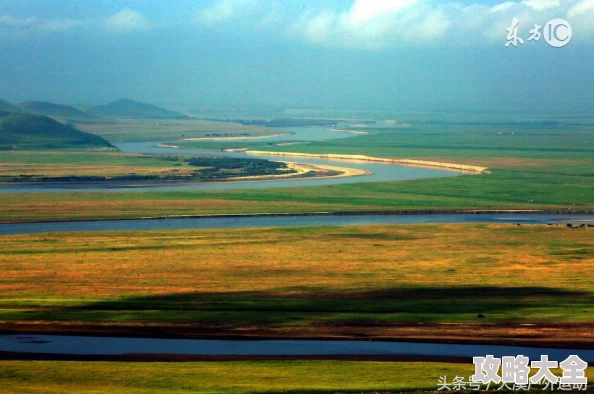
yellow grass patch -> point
(292, 260)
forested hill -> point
(26, 131)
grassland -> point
(548, 167)
(458, 283)
(15, 164)
(93, 166)
(499, 190)
(229, 377)
(474, 139)
(362, 282)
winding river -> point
(250, 221)
(76, 345)
(380, 172)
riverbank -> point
(232, 377)
(300, 170)
(295, 171)
(464, 168)
(237, 377)
(500, 191)
(238, 138)
(571, 335)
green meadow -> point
(237, 377)
(533, 166)
(503, 189)
(223, 377)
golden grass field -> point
(87, 163)
(370, 281)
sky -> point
(364, 54)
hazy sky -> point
(417, 54)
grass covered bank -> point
(223, 377)
(294, 377)
(503, 189)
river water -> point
(79, 345)
(288, 220)
(380, 172)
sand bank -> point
(409, 162)
(238, 138)
(318, 171)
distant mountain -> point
(55, 110)
(26, 131)
(124, 108)
(5, 106)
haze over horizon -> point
(408, 54)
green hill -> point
(5, 106)
(26, 131)
(124, 108)
(55, 110)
